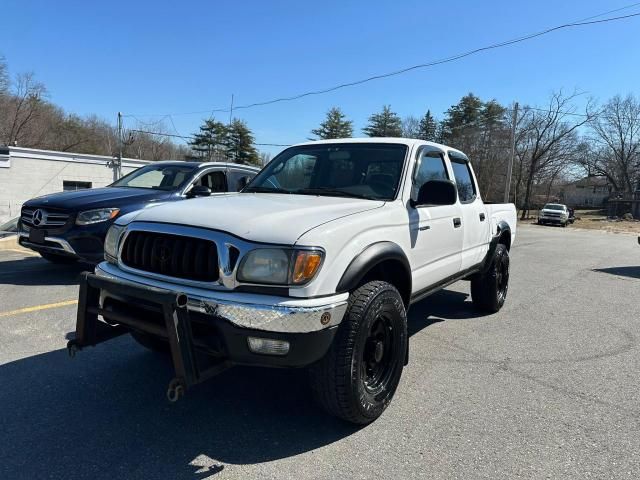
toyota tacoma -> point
(314, 264)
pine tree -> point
(335, 125)
(210, 143)
(466, 113)
(428, 127)
(240, 146)
(384, 124)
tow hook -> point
(175, 390)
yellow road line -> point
(38, 307)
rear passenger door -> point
(475, 224)
(436, 240)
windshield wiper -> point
(265, 190)
(333, 192)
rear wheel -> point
(151, 342)
(59, 259)
(358, 376)
(489, 289)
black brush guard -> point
(176, 329)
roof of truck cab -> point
(194, 164)
(410, 142)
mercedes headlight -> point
(96, 216)
(111, 242)
(280, 266)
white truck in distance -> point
(314, 264)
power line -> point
(427, 64)
(609, 12)
(135, 130)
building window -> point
(72, 185)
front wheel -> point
(358, 376)
(489, 289)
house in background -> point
(586, 193)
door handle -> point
(482, 217)
(457, 223)
(426, 227)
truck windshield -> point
(360, 170)
(553, 206)
(157, 177)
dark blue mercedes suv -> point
(70, 226)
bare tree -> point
(4, 76)
(411, 127)
(615, 150)
(548, 141)
(23, 108)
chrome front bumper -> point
(260, 312)
(61, 244)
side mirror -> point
(436, 192)
(199, 191)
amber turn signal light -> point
(306, 265)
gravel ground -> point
(546, 388)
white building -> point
(26, 173)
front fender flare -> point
(366, 260)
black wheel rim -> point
(502, 277)
(379, 355)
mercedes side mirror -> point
(436, 192)
(199, 191)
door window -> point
(431, 167)
(215, 181)
(464, 181)
(238, 179)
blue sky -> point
(153, 57)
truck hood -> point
(550, 210)
(97, 197)
(261, 217)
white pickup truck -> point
(314, 264)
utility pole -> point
(117, 170)
(513, 153)
(231, 110)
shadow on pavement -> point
(104, 414)
(34, 271)
(631, 271)
(441, 306)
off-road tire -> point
(489, 289)
(151, 342)
(57, 259)
(344, 380)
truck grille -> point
(171, 255)
(39, 217)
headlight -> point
(111, 242)
(280, 266)
(96, 216)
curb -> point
(10, 243)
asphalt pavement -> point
(547, 388)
